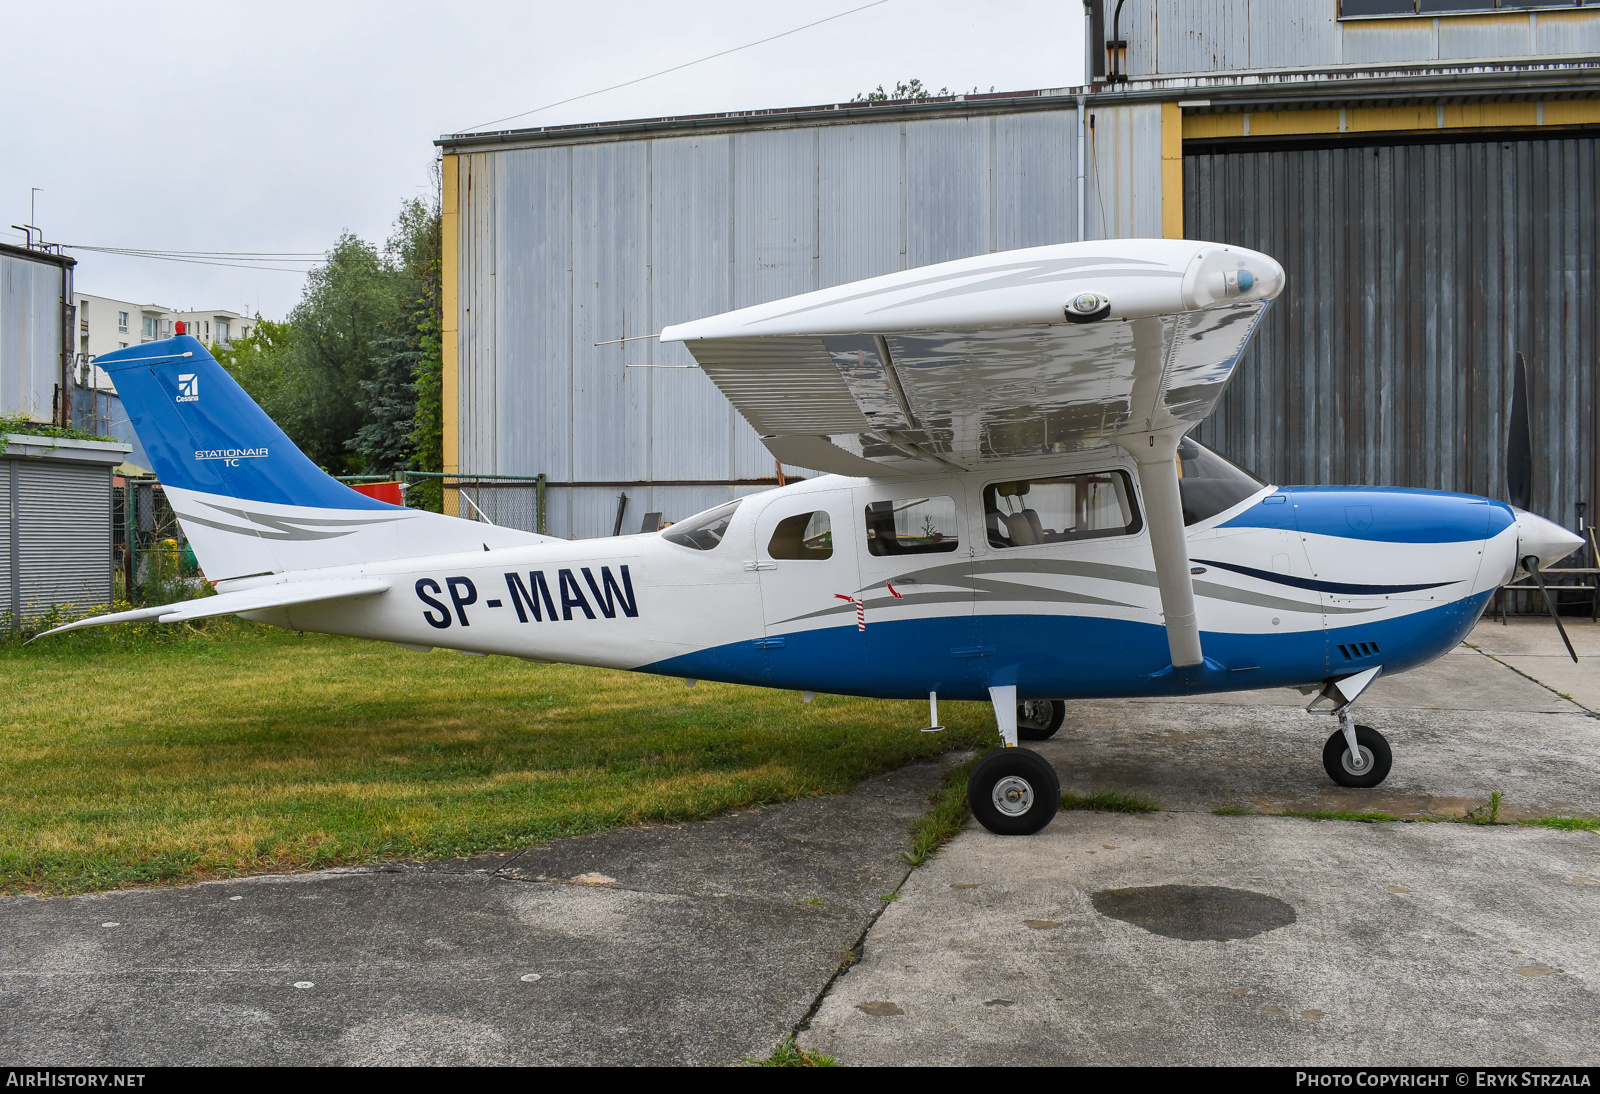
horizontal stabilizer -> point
(245, 600)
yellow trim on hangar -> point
(1388, 119)
(450, 306)
(1172, 134)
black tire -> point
(1014, 792)
(1041, 721)
(1370, 741)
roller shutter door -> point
(8, 541)
(64, 542)
(1416, 271)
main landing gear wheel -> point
(1014, 792)
(1038, 719)
(1373, 767)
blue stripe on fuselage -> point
(1061, 656)
(1381, 514)
(1339, 588)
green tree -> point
(353, 375)
(351, 306)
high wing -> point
(1001, 361)
(1015, 356)
(281, 595)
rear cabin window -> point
(1067, 508)
(805, 536)
(912, 526)
(1209, 483)
(704, 531)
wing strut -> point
(1157, 455)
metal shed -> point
(55, 496)
(35, 351)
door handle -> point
(751, 567)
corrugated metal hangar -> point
(1425, 170)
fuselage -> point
(958, 583)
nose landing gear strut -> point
(1354, 756)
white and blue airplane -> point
(1010, 511)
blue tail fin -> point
(203, 433)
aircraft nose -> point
(1544, 539)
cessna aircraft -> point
(1010, 511)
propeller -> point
(1519, 481)
(1519, 442)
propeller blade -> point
(1531, 563)
(1519, 442)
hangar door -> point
(1416, 271)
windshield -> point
(1210, 483)
(704, 531)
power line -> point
(285, 255)
(198, 257)
(676, 68)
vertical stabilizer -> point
(249, 500)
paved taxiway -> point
(1325, 942)
(1322, 941)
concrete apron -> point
(1184, 937)
(673, 944)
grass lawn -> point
(130, 756)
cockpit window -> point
(1209, 483)
(912, 526)
(1032, 512)
(803, 536)
(705, 530)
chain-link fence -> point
(154, 562)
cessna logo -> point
(188, 387)
(230, 457)
(532, 599)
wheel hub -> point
(1357, 765)
(1036, 712)
(1013, 795)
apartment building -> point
(105, 324)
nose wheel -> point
(1014, 792)
(1368, 768)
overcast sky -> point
(272, 127)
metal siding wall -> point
(1509, 35)
(1035, 188)
(526, 382)
(861, 206)
(30, 336)
(947, 190)
(65, 556)
(1567, 34)
(1201, 35)
(610, 299)
(776, 246)
(1292, 33)
(1415, 274)
(1178, 37)
(563, 247)
(692, 240)
(1124, 183)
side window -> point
(1060, 510)
(912, 526)
(704, 531)
(806, 536)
